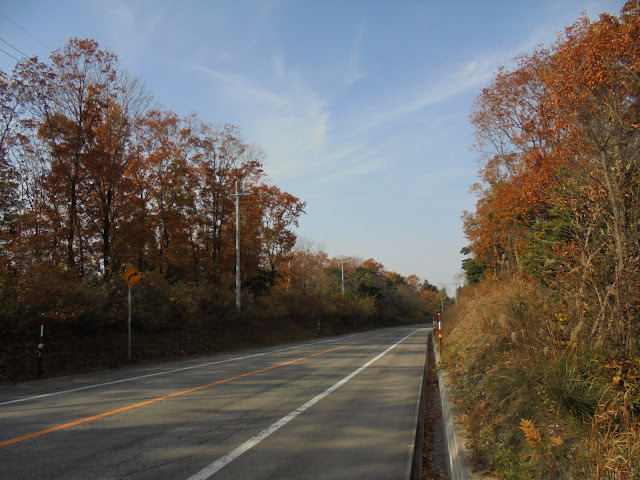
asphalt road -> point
(336, 408)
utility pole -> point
(342, 262)
(237, 194)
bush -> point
(514, 361)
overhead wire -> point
(19, 51)
(16, 59)
(25, 31)
(4, 51)
(15, 48)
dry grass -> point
(536, 400)
(614, 439)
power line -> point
(4, 51)
(16, 49)
(32, 36)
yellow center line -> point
(172, 395)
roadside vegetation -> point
(96, 177)
(544, 342)
(536, 401)
(86, 317)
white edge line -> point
(211, 469)
(129, 379)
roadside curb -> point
(456, 465)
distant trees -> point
(101, 178)
(311, 271)
(559, 195)
(94, 175)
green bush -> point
(572, 383)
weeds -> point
(537, 401)
(615, 438)
(571, 382)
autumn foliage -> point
(545, 347)
(559, 198)
(95, 177)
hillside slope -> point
(535, 401)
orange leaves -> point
(558, 130)
(530, 431)
(122, 183)
(556, 440)
(376, 266)
(534, 436)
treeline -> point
(544, 344)
(95, 177)
(559, 200)
(311, 271)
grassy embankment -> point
(536, 402)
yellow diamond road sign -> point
(131, 276)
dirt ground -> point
(434, 449)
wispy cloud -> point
(354, 70)
(121, 11)
(243, 89)
(130, 31)
(291, 122)
(463, 78)
(358, 165)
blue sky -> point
(361, 106)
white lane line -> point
(211, 469)
(129, 379)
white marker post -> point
(40, 346)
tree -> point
(307, 270)
(413, 282)
(69, 97)
(10, 109)
(473, 269)
(559, 199)
(218, 161)
(109, 188)
(279, 211)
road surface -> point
(336, 408)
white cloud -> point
(466, 76)
(130, 32)
(291, 123)
(359, 166)
(243, 90)
(278, 64)
(354, 71)
(471, 74)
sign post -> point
(129, 324)
(131, 276)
